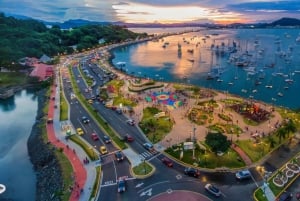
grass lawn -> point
(155, 128)
(64, 109)
(142, 169)
(124, 101)
(96, 183)
(87, 148)
(12, 78)
(208, 159)
(259, 195)
(255, 151)
(67, 172)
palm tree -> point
(281, 133)
(290, 127)
(272, 142)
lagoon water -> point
(17, 116)
(272, 76)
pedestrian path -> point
(242, 154)
(134, 158)
(267, 192)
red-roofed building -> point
(43, 71)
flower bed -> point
(277, 181)
(290, 169)
(293, 167)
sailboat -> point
(2, 188)
(280, 94)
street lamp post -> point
(144, 165)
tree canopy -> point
(20, 38)
(217, 142)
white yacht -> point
(2, 188)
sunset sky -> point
(149, 11)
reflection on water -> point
(265, 64)
(17, 116)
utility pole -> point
(194, 140)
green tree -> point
(290, 127)
(217, 142)
(271, 142)
(281, 133)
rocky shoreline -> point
(49, 182)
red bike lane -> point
(80, 174)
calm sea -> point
(17, 116)
(272, 55)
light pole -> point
(144, 164)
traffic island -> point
(280, 180)
(143, 170)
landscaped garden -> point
(214, 153)
(251, 112)
(284, 177)
(155, 123)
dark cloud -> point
(265, 6)
(163, 3)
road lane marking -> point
(147, 192)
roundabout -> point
(179, 196)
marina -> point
(260, 64)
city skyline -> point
(155, 11)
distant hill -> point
(80, 22)
(76, 23)
(286, 22)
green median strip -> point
(96, 183)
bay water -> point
(272, 75)
(17, 116)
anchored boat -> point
(2, 188)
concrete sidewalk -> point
(133, 157)
(268, 192)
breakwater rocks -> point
(48, 172)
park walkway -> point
(242, 154)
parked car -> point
(94, 136)
(106, 139)
(243, 174)
(167, 162)
(285, 196)
(85, 120)
(212, 190)
(79, 131)
(131, 122)
(192, 172)
(121, 185)
(119, 156)
(103, 150)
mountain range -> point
(80, 22)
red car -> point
(94, 136)
(167, 162)
(129, 138)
